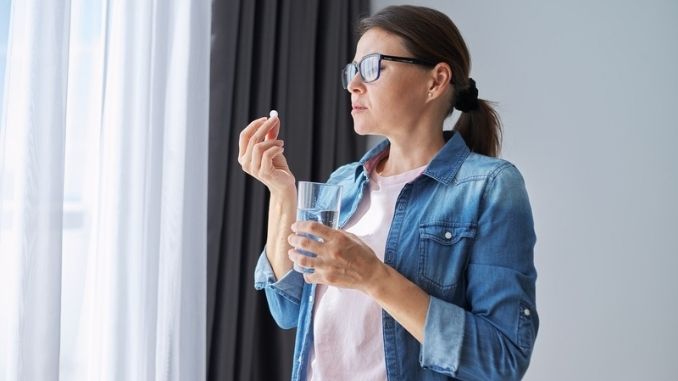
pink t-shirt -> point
(347, 334)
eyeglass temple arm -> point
(407, 60)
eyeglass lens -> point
(368, 67)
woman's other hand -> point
(261, 155)
(343, 259)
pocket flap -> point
(447, 233)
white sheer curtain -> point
(103, 190)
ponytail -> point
(481, 129)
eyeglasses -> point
(370, 67)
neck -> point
(409, 152)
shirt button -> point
(310, 298)
(526, 312)
(299, 359)
(448, 235)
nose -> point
(356, 85)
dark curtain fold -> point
(283, 55)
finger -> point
(260, 134)
(258, 137)
(246, 161)
(254, 133)
(310, 278)
(273, 133)
(311, 227)
(305, 243)
(267, 159)
(259, 150)
(246, 134)
(302, 260)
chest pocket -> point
(443, 254)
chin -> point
(365, 132)
(360, 132)
(362, 128)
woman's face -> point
(393, 104)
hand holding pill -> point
(261, 154)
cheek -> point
(400, 93)
(392, 101)
(397, 103)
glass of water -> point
(317, 202)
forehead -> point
(378, 40)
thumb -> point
(273, 132)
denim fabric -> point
(463, 232)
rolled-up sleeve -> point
(443, 337)
(492, 338)
(283, 295)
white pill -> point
(273, 114)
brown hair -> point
(431, 36)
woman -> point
(431, 274)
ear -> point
(440, 80)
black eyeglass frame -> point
(408, 60)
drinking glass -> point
(317, 202)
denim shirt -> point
(463, 232)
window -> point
(4, 29)
(85, 81)
(82, 129)
(5, 179)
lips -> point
(358, 107)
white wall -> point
(588, 92)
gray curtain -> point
(283, 55)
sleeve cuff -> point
(443, 337)
(289, 286)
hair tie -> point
(467, 99)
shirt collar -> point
(442, 168)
